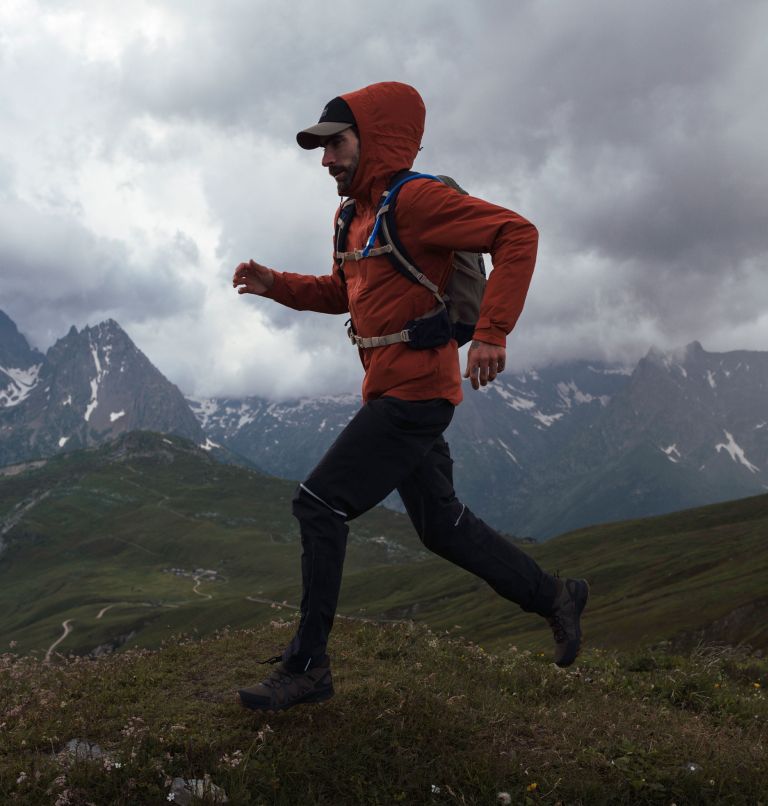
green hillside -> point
(698, 576)
(114, 542)
(126, 527)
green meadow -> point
(113, 540)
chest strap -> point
(359, 254)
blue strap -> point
(389, 194)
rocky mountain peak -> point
(92, 386)
(14, 348)
(19, 364)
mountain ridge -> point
(536, 453)
(90, 386)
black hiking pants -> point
(396, 444)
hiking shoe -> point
(283, 689)
(565, 621)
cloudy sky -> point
(148, 147)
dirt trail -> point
(67, 625)
(198, 580)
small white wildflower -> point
(233, 760)
(261, 736)
(504, 798)
(171, 796)
(435, 790)
(22, 777)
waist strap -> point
(377, 341)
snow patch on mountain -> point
(515, 402)
(247, 415)
(673, 454)
(95, 383)
(116, 415)
(736, 452)
(203, 408)
(209, 444)
(22, 382)
(508, 451)
(547, 419)
(570, 393)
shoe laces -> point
(276, 677)
(557, 629)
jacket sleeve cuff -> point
(486, 332)
(279, 291)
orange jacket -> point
(432, 220)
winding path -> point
(198, 580)
(67, 625)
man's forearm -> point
(306, 292)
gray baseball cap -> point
(336, 117)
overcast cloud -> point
(147, 148)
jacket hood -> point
(390, 122)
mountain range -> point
(559, 447)
(536, 453)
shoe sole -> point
(309, 699)
(581, 603)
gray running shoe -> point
(283, 689)
(565, 619)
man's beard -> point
(344, 178)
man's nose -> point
(328, 157)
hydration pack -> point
(457, 310)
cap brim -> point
(314, 135)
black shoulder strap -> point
(391, 200)
(346, 214)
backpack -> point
(456, 311)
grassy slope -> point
(114, 521)
(418, 719)
(669, 577)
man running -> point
(395, 442)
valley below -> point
(149, 537)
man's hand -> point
(484, 362)
(252, 278)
